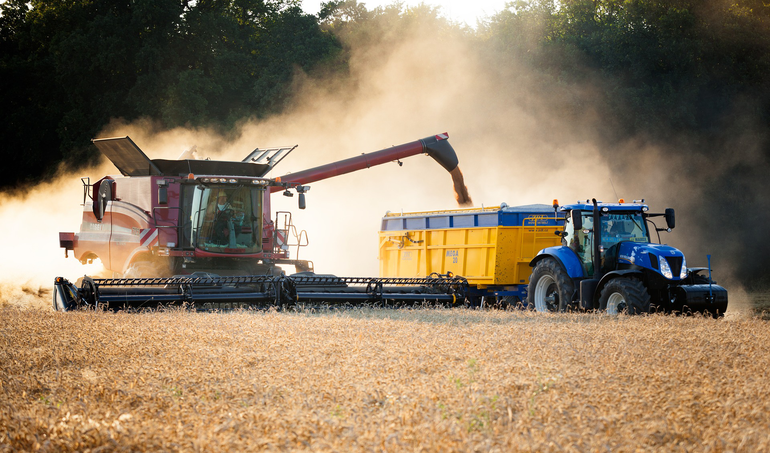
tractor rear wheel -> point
(625, 295)
(550, 288)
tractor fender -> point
(611, 276)
(566, 258)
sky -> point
(457, 10)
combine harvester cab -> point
(167, 230)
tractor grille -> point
(676, 264)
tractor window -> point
(226, 219)
(581, 241)
(622, 226)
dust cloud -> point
(31, 254)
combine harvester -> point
(553, 258)
(169, 230)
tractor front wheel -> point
(550, 288)
(625, 295)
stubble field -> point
(381, 380)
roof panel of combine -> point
(210, 167)
(131, 161)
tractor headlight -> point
(665, 269)
(683, 272)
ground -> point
(387, 380)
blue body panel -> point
(639, 254)
(503, 216)
(565, 256)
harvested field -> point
(381, 380)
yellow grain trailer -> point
(491, 247)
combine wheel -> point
(550, 288)
(625, 295)
(145, 269)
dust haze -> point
(514, 143)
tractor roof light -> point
(605, 209)
(205, 180)
(645, 209)
(232, 181)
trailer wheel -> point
(625, 295)
(550, 288)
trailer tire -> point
(625, 295)
(550, 288)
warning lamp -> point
(190, 176)
(555, 203)
(621, 200)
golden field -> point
(381, 380)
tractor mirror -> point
(670, 219)
(301, 201)
(577, 220)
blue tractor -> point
(609, 262)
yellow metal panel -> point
(497, 255)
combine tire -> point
(550, 288)
(146, 269)
(625, 295)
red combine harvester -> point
(177, 225)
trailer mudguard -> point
(564, 255)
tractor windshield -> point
(225, 219)
(622, 226)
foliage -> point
(76, 65)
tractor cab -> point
(617, 223)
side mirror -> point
(577, 220)
(301, 201)
(670, 219)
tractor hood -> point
(653, 256)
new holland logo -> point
(149, 237)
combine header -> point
(168, 230)
(211, 292)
